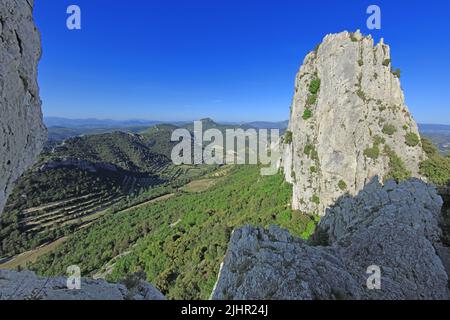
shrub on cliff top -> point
(342, 185)
(411, 139)
(314, 86)
(307, 114)
(397, 73)
(308, 148)
(315, 199)
(372, 153)
(377, 140)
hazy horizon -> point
(228, 60)
(46, 118)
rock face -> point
(22, 133)
(27, 286)
(21, 139)
(348, 122)
(394, 227)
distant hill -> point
(60, 129)
(158, 133)
(125, 150)
(281, 125)
(158, 138)
(435, 128)
(57, 134)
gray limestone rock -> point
(394, 227)
(358, 104)
(27, 286)
(22, 133)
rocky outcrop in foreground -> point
(22, 133)
(27, 286)
(348, 123)
(394, 227)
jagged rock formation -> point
(22, 133)
(27, 286)
(393, 226)
(348, 122)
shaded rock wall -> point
(22, 133)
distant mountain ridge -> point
(158, 133)
(93, 123)
(59, 122)
(76, 179)
(424, 127)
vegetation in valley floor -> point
(180, 243)
(437, 167)
(50, 203)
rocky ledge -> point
(394, 227)
(22, 133)
(27, 286)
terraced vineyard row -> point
(79, 210)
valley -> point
(82, 179)
(84, 183)
(179, 243)
(113, 204)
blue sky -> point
(232, 60)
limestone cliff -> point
(348, 122)
(22, 133)
(394, 227)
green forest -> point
(180, 243)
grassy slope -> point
(182, 260)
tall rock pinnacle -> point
(348, 123)
(22, 133)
